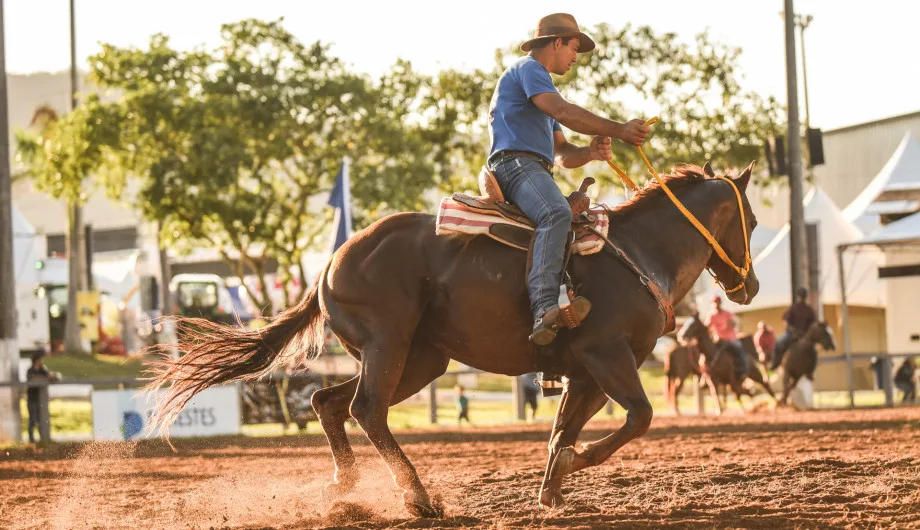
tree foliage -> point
(63, 154)
(234, 147)
(231, 145)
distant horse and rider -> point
(699, 354)
(720, 367)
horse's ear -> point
(707, 169)
(745, 177)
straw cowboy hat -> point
(559, 25)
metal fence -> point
(884, 382)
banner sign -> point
(125, 414)
(88, 314)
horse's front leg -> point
(714, 392)
(581, 399)
(615, 371)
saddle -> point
(490, 214)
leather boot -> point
(545, 328)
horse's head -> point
(820, 333)
(693, 329)
(735, 240)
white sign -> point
(125, 414)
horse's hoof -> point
(419, 505)
(551, 499)
(337, 490)
(562, 462)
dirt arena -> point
(768, 470)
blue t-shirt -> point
(515, 123)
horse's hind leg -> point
(615, 371)
(580, 401)
(789, 383)
(677, 388)
(381, 372)
(332, 407)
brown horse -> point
(684, 361)
(801, 359)
(404, 301)
(720, 366)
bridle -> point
(744, 270)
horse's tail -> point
(212, 353)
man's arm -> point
(570, 156)
(585, 122)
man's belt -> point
(527, 154)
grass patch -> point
(68, 417)
(74, 367)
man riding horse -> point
(799, 318)
(526, 138)
(723, 326)
(404, 300)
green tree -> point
(232, 147)
(61, 157)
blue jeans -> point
(34, 408)
(779, 349)
(736, 350)
(531, 187)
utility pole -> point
(76, 278)
(802, 21)
(796, 184)
(9, 347)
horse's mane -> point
(679, 177)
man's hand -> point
(634, 132)
(600, 148)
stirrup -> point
(551, 387)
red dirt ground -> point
(768, 470)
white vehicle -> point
(29, 248)
(205, 296)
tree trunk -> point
(72, 341)
(165, 276)
(304, 281)
(268, 309)
(239, 267)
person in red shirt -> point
(722, 324)
(765, 341)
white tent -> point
(904, 231)
(761, 239)
(773, 264)
(896, 189)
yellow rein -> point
(742, 271)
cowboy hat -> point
(559, 25)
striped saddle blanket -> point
(461, 214)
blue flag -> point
(340, 199)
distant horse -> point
(801, 358)
(684, 361)
(720, 366)
(404, 301)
